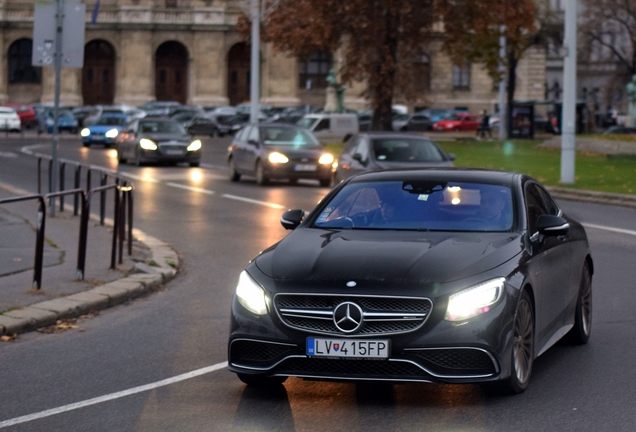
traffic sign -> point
(44, 31)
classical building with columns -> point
(190, 51)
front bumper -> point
(294, 170)
(476, 350)
(168, 156)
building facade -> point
(190, 51)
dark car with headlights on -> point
(157, 140)
(279, 151)
(386, 150)
(432, 275)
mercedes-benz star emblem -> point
(347, 317)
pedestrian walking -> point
(484, 126)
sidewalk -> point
(24, 308)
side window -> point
(322, 125)
(549, 203)
(362, 149)
(351, 145)
(243, 134)
(535, 207)
(253, 136)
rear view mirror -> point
(292, 218)
(358, 157)
(550, 225)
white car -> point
(9, 119)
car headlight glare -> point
(194, 145)
(250, 295)
(85, 132)
(276, 157)
(475, 300)
(147, 144)
(326, 159)
(112, 133)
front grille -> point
(256, 353)
(351, 369)
(381, 315)
(455, 361)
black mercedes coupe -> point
(433, 275)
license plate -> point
(305, 167)
(174, 152)
(98, 138)
(348, 348)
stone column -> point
(135, 68)
(70, 86)
(209, 70)
(279, 79)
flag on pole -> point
(95, 12)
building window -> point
(422, 75)
(171, 4)
(20, 69)
(313, 72)
(461, 77)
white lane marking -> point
(253, 201)
(190, 188)
(8, 155)
(605, 228)
(112, 396)
(140, 178)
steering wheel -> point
(349, 221)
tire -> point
(580, 333)
(456, 130)
(214, 133)
(522, 357)
(261, 381)
(326, 182)
(137, 160)
(234, 175)
(261, 178)
(120, 159)
(86, 144)
(195, 164)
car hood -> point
(377, 256)
(103, 128)
(175, 138)
(390, 165)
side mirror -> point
(451, 156)
(358, 157)
(292, 218)
(550, 225)
(253, 142)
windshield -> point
(111, 121)
(288, 136)
(165, 127)
(421, 205)
(307, 122)
(406, 150)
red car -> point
(457, 122)
(28, 116)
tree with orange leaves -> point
(379, 39)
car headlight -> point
(276, 157)
(251, 295)
(474, 300)
(194, 145)
(85, 132)
(112, 133)
(326, 159)
(147, 144)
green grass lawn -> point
(597, 172)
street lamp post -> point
(568, 115)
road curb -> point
(163, 268)
(623, 200)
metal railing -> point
(122, 214)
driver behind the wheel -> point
(491, 207)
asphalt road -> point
(174, 342)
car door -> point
(419, 123)
(239, 143)
(552, 254)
